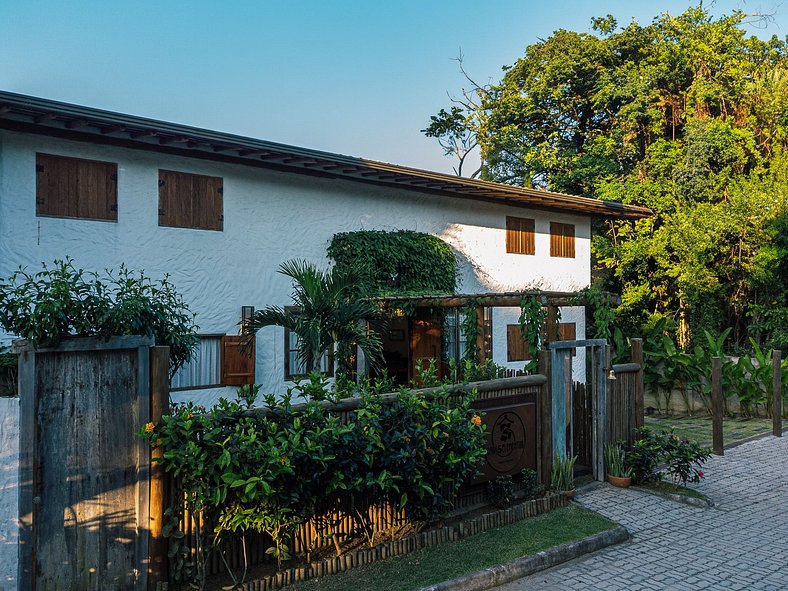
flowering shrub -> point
(683, 458)
(246, 470)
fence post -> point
(777, 393)
(716, 406)
(545, 450)
(640, 406)
(480, 326)
(159, 406)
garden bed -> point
(264, 577)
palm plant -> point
(324, 314)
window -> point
(218, 361)
(294, 366)
(75, 188)
(562, 240)
(190, 201)
(520, 235)
(516, 347)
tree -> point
(687, 116)
(324, 314)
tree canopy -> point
(686, 115)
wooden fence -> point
(313, 535)
(625, 398)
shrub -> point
(562, 476)
(61, 301)
(246, 470)
(683, 458)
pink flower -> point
(700, 473)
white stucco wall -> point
(269, 217)
(9, 492)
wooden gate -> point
(83, 503)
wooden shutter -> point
(516, 347)
(190, 201)
(237, 365)
(562, 240)
(567, 331)
(76, 188)
(520, 235)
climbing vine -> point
(532, 318)
(396, 263)
(602, 314)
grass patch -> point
(698, 428)
(672, 488)
(447, 561)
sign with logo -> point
(510, 435)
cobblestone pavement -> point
(741, 543)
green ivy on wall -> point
(470, 330)
(532, 318)
(397, 263)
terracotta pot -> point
(569, 494)
(619, 481)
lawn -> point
(447, 561)
(698, 428)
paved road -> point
(742, 543)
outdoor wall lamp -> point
(611, 374)
(246, 316)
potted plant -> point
(618, 472)
(562, 476)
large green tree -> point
(686, 115)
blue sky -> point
(354, 77)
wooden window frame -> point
(206, 386)
(183, 206)
(520, 235)
(562, 240)
(289, 376)
(83, 184)
(567, 331)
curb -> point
(528, 565)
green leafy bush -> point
(61, 301)
(683, 458)
(562, 475)
(271, 471)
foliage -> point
(326, 312)
(469, 325)
(245, 470)
(532, 319)
(683, 458)
(562, 475)
(500, 491)
(61, 301)
(395, 263)
(529, 484)
(616, 461)
(8, 372)
(685, 115)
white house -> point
(220, 212)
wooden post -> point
(159, 406)
(777, 387)
(637, 357)
(545, 425)
(716, 406)
(480, 336)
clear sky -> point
(357, 77)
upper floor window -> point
(190, 201)
(520, 235)
(76, 188)
(562, 240)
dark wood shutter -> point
(237, 365)
(562, 240)
(516, 347)
(520, 235)
(76, 188)
(191, 200)
(567, 331)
